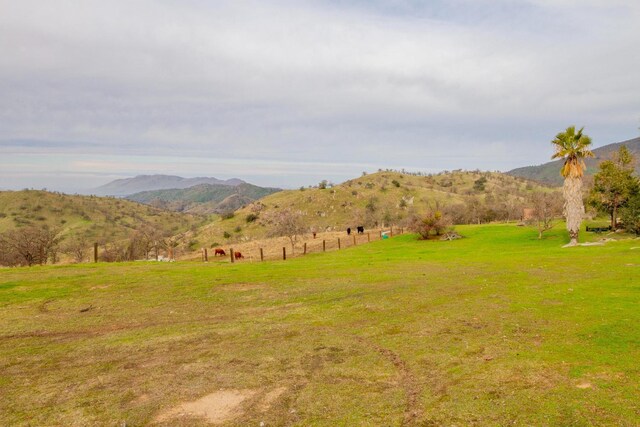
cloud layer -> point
(287, 93)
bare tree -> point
(77, 247)
(546, 208)
(171, 244)
(289, 224)
(31, 245)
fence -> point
(257, 252)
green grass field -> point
(498, 328)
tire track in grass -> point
(413, 411)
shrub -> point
(251, 217)
(237, 229)
(396, 183)
(226, 235)
(434, 222)
(227, 215)
(479, 183)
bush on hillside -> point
(227, 215)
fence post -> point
(261, 255)
(368, 237)
(305, 248)
(284, 253)
(354, 240)
(391, 228)
(206, 255)
(95, 252)
(380, 232)
(232, 255)
(324, 246)
(338, 243)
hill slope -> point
(549, 173)
(380, 199)
(204, 198)
(127, 186)
(96, 218)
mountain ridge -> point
(549, 173)
(203, 198)
(127, 186)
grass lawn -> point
(497, 328)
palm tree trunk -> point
(573, 207)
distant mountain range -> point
(128, 186)
(204, 198)
(549, 173)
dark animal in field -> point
(220, 252)
(238, 255)
(360, 229)
(349, 231)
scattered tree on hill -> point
(546, 207)
(572, 146)
(287, 223)
(613, 184)
(479, 183)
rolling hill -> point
(379, 199)
(549, 173)
(204, 198)
(95, 218)
(127, 186)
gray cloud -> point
(338, 84)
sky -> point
(288, 93)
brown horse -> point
(238, 255)
(220, 252)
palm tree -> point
(572, 147)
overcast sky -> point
(286, 93)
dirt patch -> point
(269, 398)
(216, 407)
(584, 385)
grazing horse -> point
(349, 231)
(360, 229)
(220, 252)
(238, 255)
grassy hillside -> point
(204, 198)
(549, 173)
(377, 199)
(498, 328)
(89, 216)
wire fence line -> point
(257, 252)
